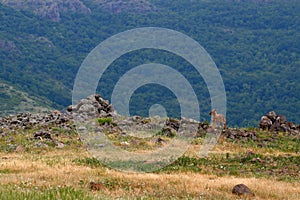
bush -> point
(102, 121)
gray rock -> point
(242, 189)
(82, 128)
(60, 145)
(42, 135)
(273, 122)
(41, 145)
(272, 116)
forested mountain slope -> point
(255, 44)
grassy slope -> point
(272, 172)
(16, 101)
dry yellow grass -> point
(55, 168)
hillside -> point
(255, 45)
(50, 9)
(14, 100)
(53, 9)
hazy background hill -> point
(255, 44)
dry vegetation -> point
(25, 172)
(65, 173)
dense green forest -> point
(255, 44)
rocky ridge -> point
(53, 9)
(96, 107)
(131, 6)
(48, 9)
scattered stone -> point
(125, 143)
(173, 123)
(60, 145)
(96, 186)
(249, 153)
(169, 132)
(20, 149)
(203, 125)
(239, 134)
(261, 145)
(42, 135)
(202, 129)
(277, 123)
(27, 120)
(10, 139)
(159, 140)
(81, 128)
(41, 145)
(95, 106)
(242, 189)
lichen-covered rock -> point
(91, 107)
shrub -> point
(106, 120)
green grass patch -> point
(35, 193)
(9, 171)
(285, 167)
(90, 162)
(273, 141)
(106, 120)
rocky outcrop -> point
(48, 123)
(52, 9)
(202, 129)
(132, 6)
(7, 45)
(93, 106)
(276, 122)
(49, 9)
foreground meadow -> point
(43, 168)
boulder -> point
(96, 186)
(242, 189)
(202, 129)
(272, 115)
(169, 132)
(173, 123)
(265, 123)
(92, 106)
(277, 122)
